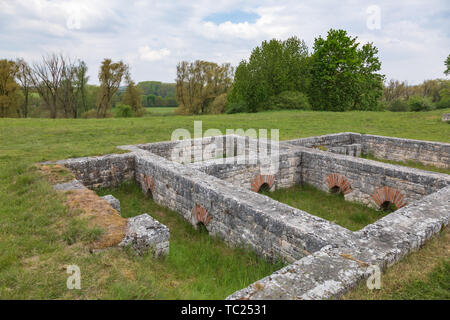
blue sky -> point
(413, 37)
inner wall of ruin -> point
(221, 193)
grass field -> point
(424, 274)
(332, 207)
(196, 264)
(160, 111)
(33, 251)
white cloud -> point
(153, 36)
(153, 55)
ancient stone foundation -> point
(215, 182)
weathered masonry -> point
(215, 182)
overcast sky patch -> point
(153, 36)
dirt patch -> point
(87, 205)
(55, 173)
(98, 213)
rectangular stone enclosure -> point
(215, 181)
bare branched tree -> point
(47, 77)
(23, 77)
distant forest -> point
(155, 94)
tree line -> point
(340, 74)
(158, 94)
(57, 86)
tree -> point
(68, 92)
(133, 96)
(344, 77)
(199, 83)
(46, 78)
(23, 77)
(81, 80)
(9, 89)
(447, 66)
(110, 77)
(369, 82)
(274, 67)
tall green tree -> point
(9, 89)
(272, 68)
(81, 80)
(447, 66)
(133, 96)
(344, 76)
(110, 76)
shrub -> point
(398, 105)
(418, 103)
(141, 112)
(91, 114)
(237, 107)
(289, 100)
(124, 111)
(219, 104)
(444, 102)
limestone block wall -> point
(331, 272)
(397, 149)
(102, 172)
(203, 148)
(389, 148)
(367, 176)
(243, 174)
(237, 215)
(329, 140)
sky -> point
(413, 37)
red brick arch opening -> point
(200, 216)
(263, 183)
(386, 198)
(148, 185)
(338, 183)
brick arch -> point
(337, 180)
(200, 215)
(148, 183)
(262, 179)
(388, 194)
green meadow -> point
(35, 224)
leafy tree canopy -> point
(344, 75)
(273, 67)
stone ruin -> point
(446, 117)
(221, 192)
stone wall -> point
(367, 176)
(397, 149)
(332, 271)
(388, 148)
(243, 174)
(329, 259)
(202, 149)
(237, 215)
(326, 141)
(102, 172)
